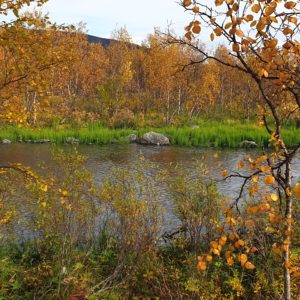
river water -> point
(101, 159)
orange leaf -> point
(297, 191)
(249, 266)
(224, 173)
(269, 180)
(290, 5)
(218, 31)
(196, 29)
(196, 9)
(236, 47)
(202, 266)
(243, 259)
(255, 8)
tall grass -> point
(209, 134)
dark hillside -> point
(97, 40)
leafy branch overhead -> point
(262, 38)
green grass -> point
(209, 134)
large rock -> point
(43, 141)
(6, 142)
(72, 140)
(132, 138)
(153, 138)
(248, 144)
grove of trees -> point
(53, 75)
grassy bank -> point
(207, 134)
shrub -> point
(122, 118)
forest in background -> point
(57, 77)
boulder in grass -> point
(248, 144)
(132, 138)
(44, 141)
(72, 140)
(6, 142)
(153, 138)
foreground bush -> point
(65, 237)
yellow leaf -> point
(288, 233)
(265, 169)
(274, 197)
(44, 187)
(228, 25)
(214, 245)
(216, 252)
(235, 6)
(269, 10)
(223, 240)
(288, 192)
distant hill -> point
(98, 40)
(105, 42)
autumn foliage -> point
(52, 76)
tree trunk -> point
(179, 101)
(34, 109)
(288, 229)
(168, 104)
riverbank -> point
(209, 134)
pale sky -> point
(103, 16)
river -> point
(101, 159)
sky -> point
(103, 16)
